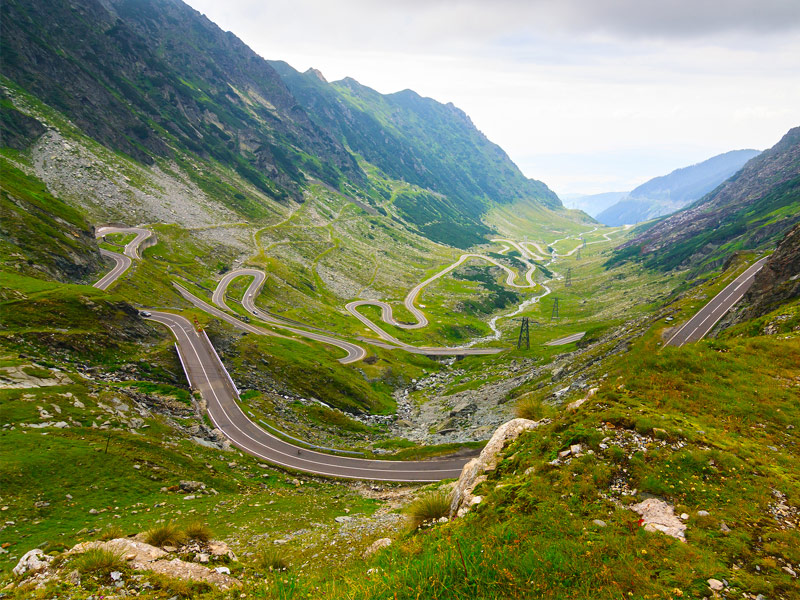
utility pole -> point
(524, 333)
(578, 254)
(583, 239)
(568, 283)
(554, 314)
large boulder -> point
(144, 557)
(137, 552)
(34, 561)
(181, 569)
(217, 548)
(657, 515)
(474, 471)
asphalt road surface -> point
(206, 373)
(700, 324)
(132, 247)
(566, 340)
(122, 264)
(354, 351)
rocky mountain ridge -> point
(158, 82)
(668, 193)
(752, 209)
(777, 283)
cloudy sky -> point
(586, 95)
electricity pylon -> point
(524, 334)
(554, 314)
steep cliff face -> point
(778, 281)
(752, 209)
(150, 79)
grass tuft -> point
(199, 531)
(99, 561)
(167, 534)
(429, 507)
(112, 532)
(180, 588)
(270, 559)
(531, 407)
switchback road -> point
(355, 352)
(122, 264)
(123, 261)
(699, 325)
(206, 373)
(132, 247)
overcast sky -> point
(587, 95)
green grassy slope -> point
(40, 234)
(710, 427)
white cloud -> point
(577, 92)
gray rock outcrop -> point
(33, 561)
(657, 515)
(474, 471)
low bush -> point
(531, 407)
(112, 532)
(270, 559)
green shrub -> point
(99, 561)
(167, 534)
(430, 506)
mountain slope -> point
(668, 193)
(158, 82)
(752, 209)
(777, 283)
(431, 145)
(150, 79)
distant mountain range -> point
(753, 209)
(668, 193)
(592, 204)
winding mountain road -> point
(132, 247)
(206, 373)
(699, 325)
(122, 264)
(123, 261)
(354, 351)
(387, 314)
